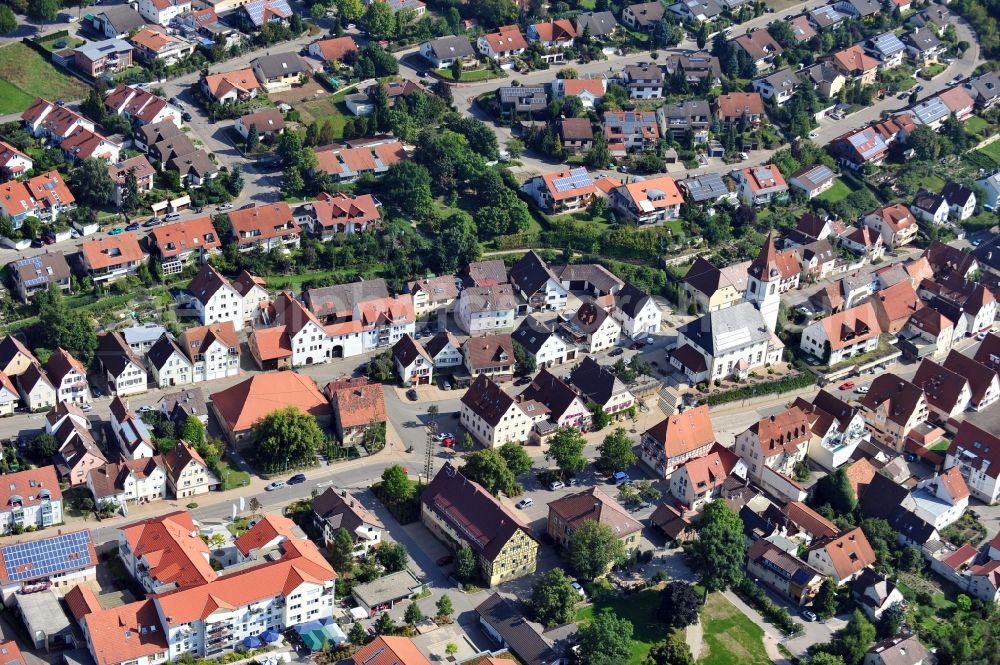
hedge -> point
(784, 385)
(779, 616)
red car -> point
(847, 385)
(448, 441)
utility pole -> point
(429, 453)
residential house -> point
(95, 59)
(444, 51)
(84, 144)
(677, 439)
(213, 349)
(948, 394)
(253, 15)
(348, 164)
(156, 45)
(68, 376)
(31, 498)
(542, 343)
(186, 471)
(842, 558)
(536, 283)
(840, 336)
(15, 358)
(36, 391)
(116, 21)
(923, 46)
(358, 406)
(892, 407)
(239, 407)
(740, 107)
(413, 364)
(335, 49)
(678, 118)
(45, 119)
(959, 102)
(759, 185)
(269, 123)
(593, 328)
(783, 572)
(984, 89)
(827, 79)
(696, 11)
(280, 71)
(557, 33)
(630, 130)
(643, 16)
(976, 453)
(506, 626)
(565, 407)
(960, 199)
(453, 507)
(193, 241)
(492, 416)
(490, 355)
(706, 288)
(483, 309)
(858, 9)
(135, 482)
(904, 649)
(337, 214)
(13, 162)
(37, 273)
(9, 396)
(856, 65)
(147, 137)
(237, 85)
(887, 48)
(600, 386)
(112, 258)
(591, 278)
(598, 25)
(270, 226)
(444, 350)
(122, 368)
(140, 167)
(940, 500)
(400, 649)
(894, 306)
(779, 86)
(636, 312)
(896, 223)
(162, 12)
(875, 593)
(837, 429)
(984, 383)
(433, 294)
(699, 481)
(335, 509)
(648, 201)
(568, 513)
(167, 364)
(945, 260)
(930, 207)
(36, 567)
(643, 81)
(161, 555)
(131, 432)
(503, 44)
(855, 149)
(521, 100)
(813, 180)
(760, 46)
(697, 66)
(927, 332)
(214, 298)
(576, 134)
(778, 442)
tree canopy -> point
(553, 598)
(719, 551)
(678, 605)
(566, 449)
(287, 437)
(615, 452)
(593, 549)
(62, 326)
(607, 640)
(396, 486)
(517, 459)
(836, 491)
(488, 468)
(671, 651)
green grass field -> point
(324, 108)
(232, 477)
(837, 192)
(640, 609)
(976, 125)
(992, 151)
(24, 74)
(932, 183)
(730, 637)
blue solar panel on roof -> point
(49, 556)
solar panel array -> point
(576, 178)
(256, 9)
(820, 174)
(48, 556)
(42, 276)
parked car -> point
(617, 351)
(863, 389)
(446, 559)
(37, 242)
(297, 479)
(134, 226)
(809, 615)
(172, 217)
(150, 223)
(277, 484)
(117, 231)
(981, 336)
(620, 477)
(186, 116)
(524, 503)
(523, 381)
(556, 485)
(744, 156)
(174, 101)
(448, 441)
(445, 385)
(225, 206)
(579, 589)
(411, 395)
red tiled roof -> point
(181, 237)
(121, 634)
(112, 251)
(172, 548)
(684, 432)
(242, 405)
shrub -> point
(192, 505)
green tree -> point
(60, 326)
(93, 184)
(823, 658)
(43, 10)
(254, 506)
(253, 137)
(566, 448)
(342, 552)
(8, 22)
(599, 418)
(488, 468)
(852, 641)
(43, 447)
(396, 487)
(193, 432)
(593, 549)
(892, 620)
(825, 602)
(606, 640)
(926, 143)
(392, 556)
(553, 598)
(671, 651)
(835, 490)
(456, 70)
(678, 605)
(526, 364)
(444, 606)
(407, 187)
(599, 156)
(782, 33)
(384, 625)
(413, 615)
(287, 437)
(379, 20)
(130, 192)
(358, 635)
(615, 452)
(349, 11)
(458, 244)
(517, 459)
(719, 550)
(466, 567)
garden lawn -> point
(639, 608)
(992, 151)
(232, 477)
(976, 125)
(326, 110)
(837, 192)
(932, 183)
(730, 637)
(25, 74)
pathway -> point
(771, 636)
(694, 636)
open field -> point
(327, 110)
(730, 637)
(24, 75)
(992, 151)
(640, 609)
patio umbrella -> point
(270, 635)
(251, 642)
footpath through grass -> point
(730, 637)
(25, 74)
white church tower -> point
(763, 282)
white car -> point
(524, 503)
(863, 389)
(277, 484)
(981, 336)
(744, 156)
(225, 206)
(72, 19)
(556, 485)
(579, 589)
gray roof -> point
(121, 17)
(145, 334)
(696, 8)
(281, 64)
(813, 176)
(929, 111)
(162, 350)
(37, 270)
(328, 300)
(985, 87)
(600, 23)
(188, 402)
(526, 643)
(630, 299)
(826, 16)
(98, 50)
(388, 589)
(887, 44)
(865, 7)
(706, 187)
(785, 78)
(596, 381)
(514, 94)
(531, 334)
(531, 273)
(446, 48)
(922, 40)
(899, 650)
(724, 330)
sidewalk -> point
(771, 636)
